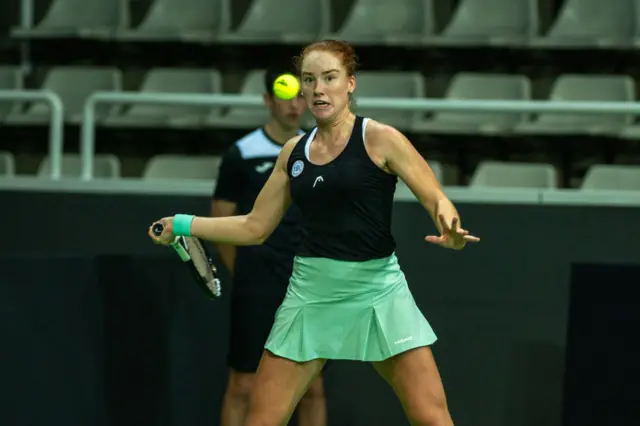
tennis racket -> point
(195, 255)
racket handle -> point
(157, 229)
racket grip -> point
(157, 229)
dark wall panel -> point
(602, 348)
(158, 347)
(52, 343)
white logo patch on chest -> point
(297, 168)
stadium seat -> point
(239, 117)
(75, 19)
(174, 167)
(186, 20)
(389, 84)
(591, 23)
(397, 22)
(172, 80)
(570, 87)
(282, 21)
(630, 132)
(620, 177)
(403, 191)
(479, 86)
(514, 175)
(105, 166)
(74, 85)
(7, 164)
(10, 79)
(509, 23)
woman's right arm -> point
(254, 228)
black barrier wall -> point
(602, 349)
(101, 327)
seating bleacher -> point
(570, 50)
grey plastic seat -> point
(282, 21)
(105, 166)
(514, 175)
(172, 80)
(389, 84)
(397, 22)
(620, 177)
(491, 22)
(175, 167)
(570, 87)
(630, 132)
(75, 18)
(188, 20)
(636, 24)
(74, 85)
(591, 23)
(239, 117)
(7, 164)
(10, 79)
(404, 192)
(479, 87)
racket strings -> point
(202, 263)
(199, 257)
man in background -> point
(260, 273)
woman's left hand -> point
(452, 236)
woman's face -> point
(325, 84)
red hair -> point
(340, 48)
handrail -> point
(56, 121)
(87, 144)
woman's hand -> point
(167, 236)
(453, 236)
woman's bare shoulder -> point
(287, 148)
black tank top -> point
(346, 204)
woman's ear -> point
(352, 84)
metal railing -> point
(56, 121)
(87, 144)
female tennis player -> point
(347, 296)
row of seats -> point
(74, 85)
(108, 166)
(487, 174)
(525, 175)
(395, 22)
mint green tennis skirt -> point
(360, 311)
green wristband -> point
(182, 225)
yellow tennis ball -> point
(286, 86)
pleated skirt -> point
(362, 311)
